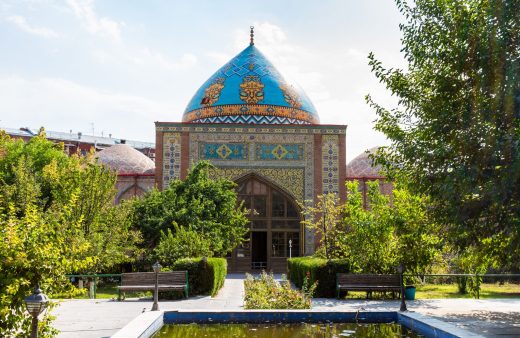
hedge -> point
(319, 271)
(204, 277)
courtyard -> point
(104, 317)
(366, 151)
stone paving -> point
(103, 317)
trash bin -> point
(409, 292)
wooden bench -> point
(367, 282)
(145, 281)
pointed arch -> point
(270, 182)
(275, 225)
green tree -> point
(325, 218)
(56, 217)
(184, 243)
(455, 132)
(392, 230)
(208, 207)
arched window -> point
(274, 222)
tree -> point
(184, 243)
(324, 217)
(455, 132)
(56, 217)
(392, 230)
(208, 207)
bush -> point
(204, 277)
(266, 293)
(183, 243)
(317, 270)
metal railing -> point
(477, 278)
(92, 280)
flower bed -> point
(265, 292)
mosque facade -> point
(263, 133)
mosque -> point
(264, 133)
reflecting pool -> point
(326, 330)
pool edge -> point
(148, 323)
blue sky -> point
(121, 65)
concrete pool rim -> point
(148, 323)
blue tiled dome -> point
(248, 89)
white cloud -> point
(62, 105)
(144, 58)
(149, 56)
(102, 26)
(22, 23)
(219, 58)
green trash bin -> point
(409, 292)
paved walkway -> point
(102, 318)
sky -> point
(115, 67)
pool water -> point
(328, 330)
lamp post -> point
(36, 304)
(400, 269)
(290, 248)
(156, 268)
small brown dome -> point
(361, 166)
(126, 160)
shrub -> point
(266, 293)
(184, 243)
(317, 270)
(204, 277)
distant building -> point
(136, 172)
(132, 160)
(82, 143)
(360, 169)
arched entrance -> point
(274, 223)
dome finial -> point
(252, 35)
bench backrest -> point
(368, 279)
(148, 278)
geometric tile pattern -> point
(255, 115)
(248, 129)
(172, 157)
(291, 179)
(223, 151)
(284, 157)
(330, 164)
(269, 151)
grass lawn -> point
(435, 291)
(429, 291)
(105, 292)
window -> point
(259, 206)
(278, 241)
(272, 213)
(244, 250)
(278, 205)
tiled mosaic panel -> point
(330, 163)
(172, 157)
(281, 172)
(251, 129)
(290, 179)
(223, 151)
(267, 151)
